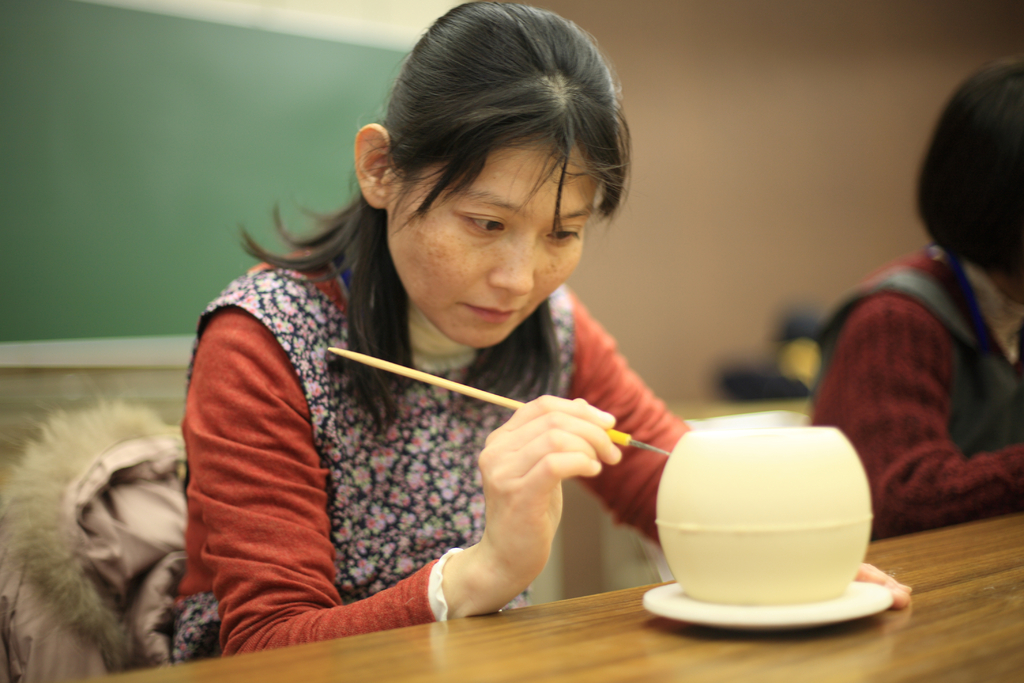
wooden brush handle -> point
(616, 436)
(428, 378)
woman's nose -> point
(514, 270)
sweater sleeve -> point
(602, 377)
(258, 531)
(888, 389)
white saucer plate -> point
(860, 600)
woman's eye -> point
(564, 235)
(488, 225)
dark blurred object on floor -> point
(789, 371)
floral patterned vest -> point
(397, 500)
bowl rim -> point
(823, 525)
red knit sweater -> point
(888, 388)
(258, 530)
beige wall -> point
(776, 145)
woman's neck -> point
(1001, 309)
(432, 351)
(1010, 285)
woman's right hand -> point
(523, 465)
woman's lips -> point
(491, 315)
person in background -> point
(327, 498)
(922, 366)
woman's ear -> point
(372, 168)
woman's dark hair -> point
(971, 188)
(484, 77)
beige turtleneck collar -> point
(432, 351)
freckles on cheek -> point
(439, 267)
(558, 271)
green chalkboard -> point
(133, 147)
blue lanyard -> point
(972, 302)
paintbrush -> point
(618, 437)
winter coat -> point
(91, 546)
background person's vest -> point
(987, 396)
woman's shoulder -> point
(286, 302)
(917, 290)
(924, 264)
(889, 332)
(886, 318)
(891, 309)
(262, 285)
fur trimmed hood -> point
(92, 527)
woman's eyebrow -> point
(497, 201)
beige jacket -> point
(92, 527)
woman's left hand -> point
(900, 593)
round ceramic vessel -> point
(764, 516)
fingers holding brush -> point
(550, 425)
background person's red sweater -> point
(888, 389)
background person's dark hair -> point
(971, 188)
(485, 76)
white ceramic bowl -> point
(764, 516)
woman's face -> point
(478, 263)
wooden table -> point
(966, 624)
